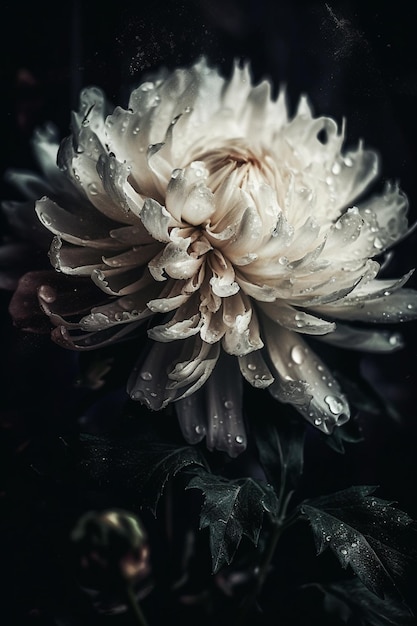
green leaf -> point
(232, 509)
(280, 445)
(142, 465)
(351, 599)
(378, 541)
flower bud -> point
(112, 553)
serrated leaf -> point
(280, 445)
(378, 541)
(144, 466)
(351, 599)
(232, 509)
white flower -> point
(205, 203)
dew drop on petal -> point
(251, 367)
(239, 439)
(336, 169)
(395, 339)
(335, 404)
(228, 404)
(146, 376)
(45, 219)
(92, 188)
(47, 293)
(297, 355)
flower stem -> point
(134, 607)
(279, 526)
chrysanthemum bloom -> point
(232, 231)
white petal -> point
(303, 380)
(367, 340)
(191, 412)
(254, 369)
(397, 307)
(292, 319)
(175, 330)
(199, 205)
(225, 425)
(157, 220)
(84, 230)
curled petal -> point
(175, 330)
(199, 205)
(122, 282)
(222, 281)
(174, 261)
(244, 337)
(194, 366)
(172, 296)
(157, 220)
(67, 337)
(80, 230)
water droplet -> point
(318, 421)
(47, 293)
(239, 439)
(328, 538)
(283, 260)
(348, 161)
(336, 169)
(251, 367)
(146, 376)
(199, 429)
(228, 404)
(409, 306)
(378, 243)
(92, 188)
(297, 355)
(148, 86)
(395, 339)
(335, 404)
(344, 551)
(45, 219)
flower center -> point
(236, 157)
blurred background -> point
(355, 60)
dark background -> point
(355, 60)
